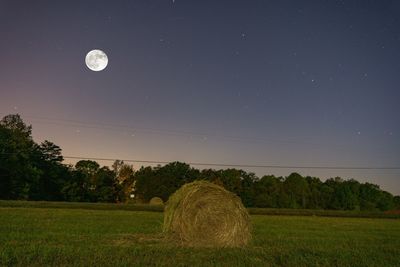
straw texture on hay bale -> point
(205, 214)
(156, 201)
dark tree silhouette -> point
(36, 172)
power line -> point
(178, 133)
(243, 165)
(190, 134)
(118, 127)
(109, 126)
(232, 165)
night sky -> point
(298, 83)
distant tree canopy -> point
(32, 171)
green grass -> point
(88, 237)
(160, 208)
(80, 205)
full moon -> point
(96, 60)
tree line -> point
(31, 171)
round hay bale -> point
(205, 214)
(156, 201)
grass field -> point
(145, 207)
(84, 237)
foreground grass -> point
(64, 237)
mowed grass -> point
(78, 237)
(160, 208)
